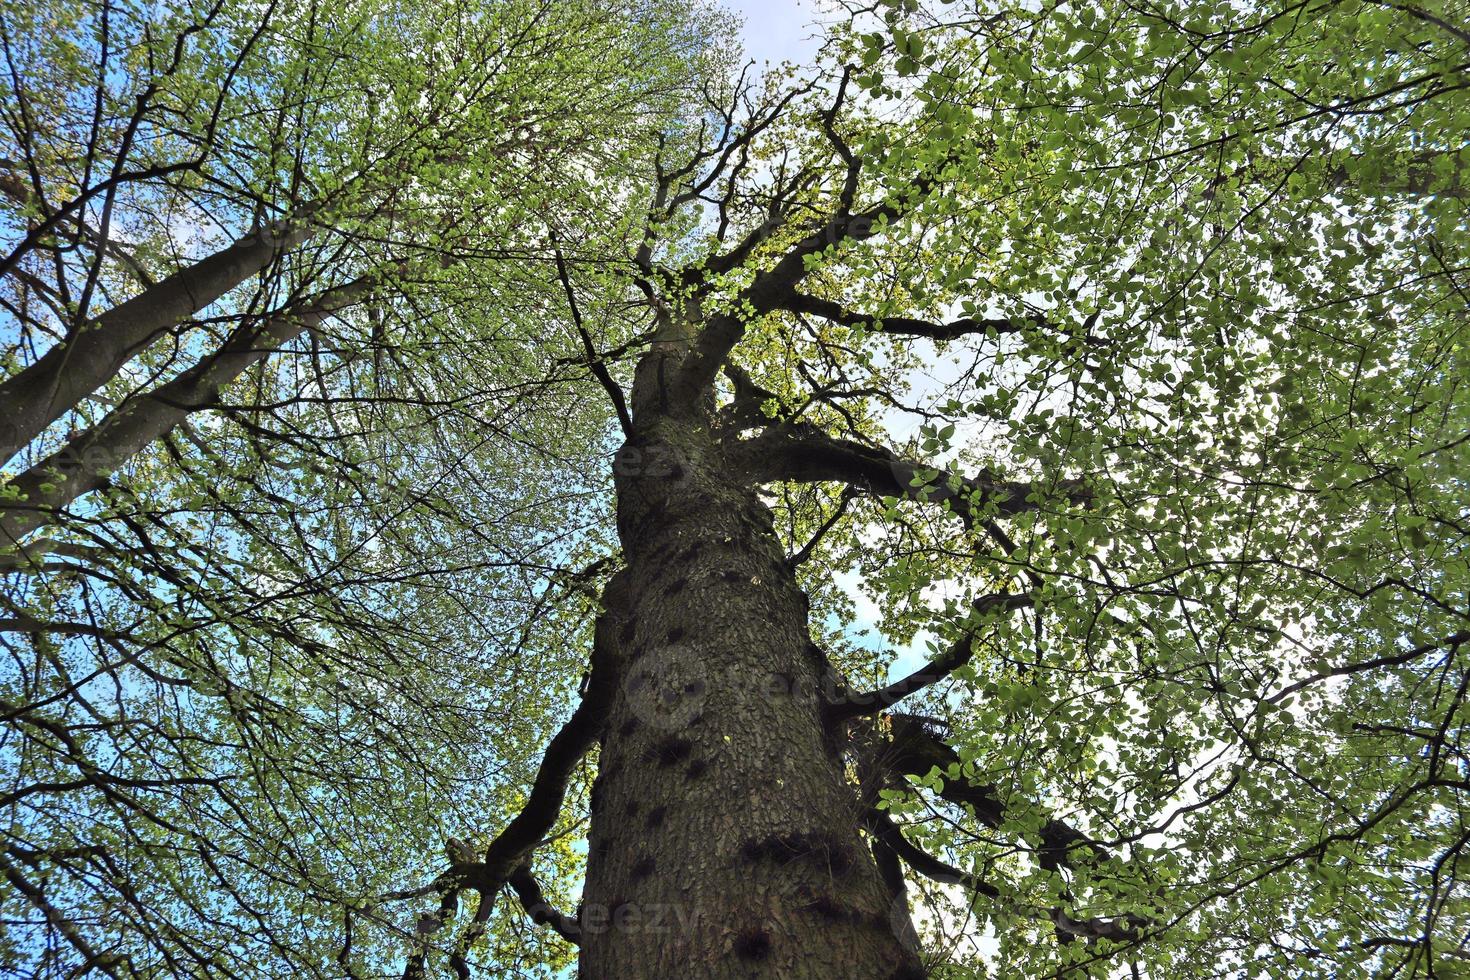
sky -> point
(777, 30)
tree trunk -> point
(725, 833)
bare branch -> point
(595, 364)
(801, 556)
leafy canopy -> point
(1205, 262)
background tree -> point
(271, 395)
(1112, 353)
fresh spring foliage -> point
(253, 681)
(1197, 274)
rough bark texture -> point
(725, 837)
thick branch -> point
(510, 848)
(908, 326)
(70, 371)
(839, 143)
(1126, 929)
(804, 454)
(882, 827)
(84, 463)
(926, 864)
(513, 845)
(917, 751)
(776, 285)
(533, 900)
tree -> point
(1113, 349)
(259, 251)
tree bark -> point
(88, 459)
(69, 372)
(725, 837)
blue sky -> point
(777, 30)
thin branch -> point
(957, 655)
(595, 363)
(800, 558)
(1452, 642)
(1428, 18)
